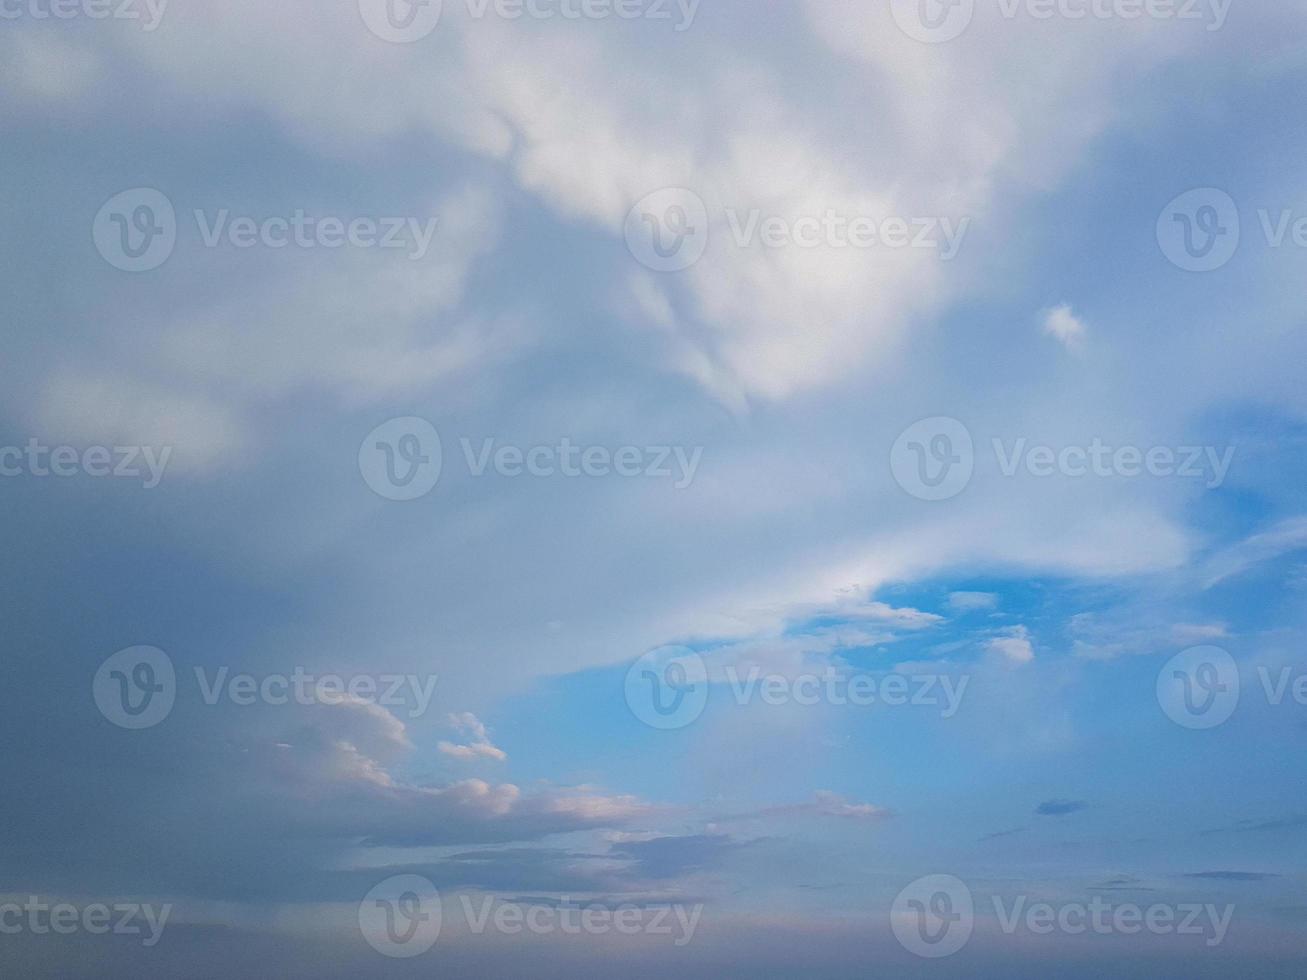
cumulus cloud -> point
(1014, 644)
(479, 745)
(340, 759)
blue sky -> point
(814, 468)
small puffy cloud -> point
(479, 745)
(1063, 324)
(961, 602)
(1014, 644)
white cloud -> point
(972, 601)
(1014, 644)
(479, 745)
(1063, 324)
(101, 407)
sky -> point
(811, 488)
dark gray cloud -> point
(1233, 876)
(1060, 808)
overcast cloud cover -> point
(823, 477)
